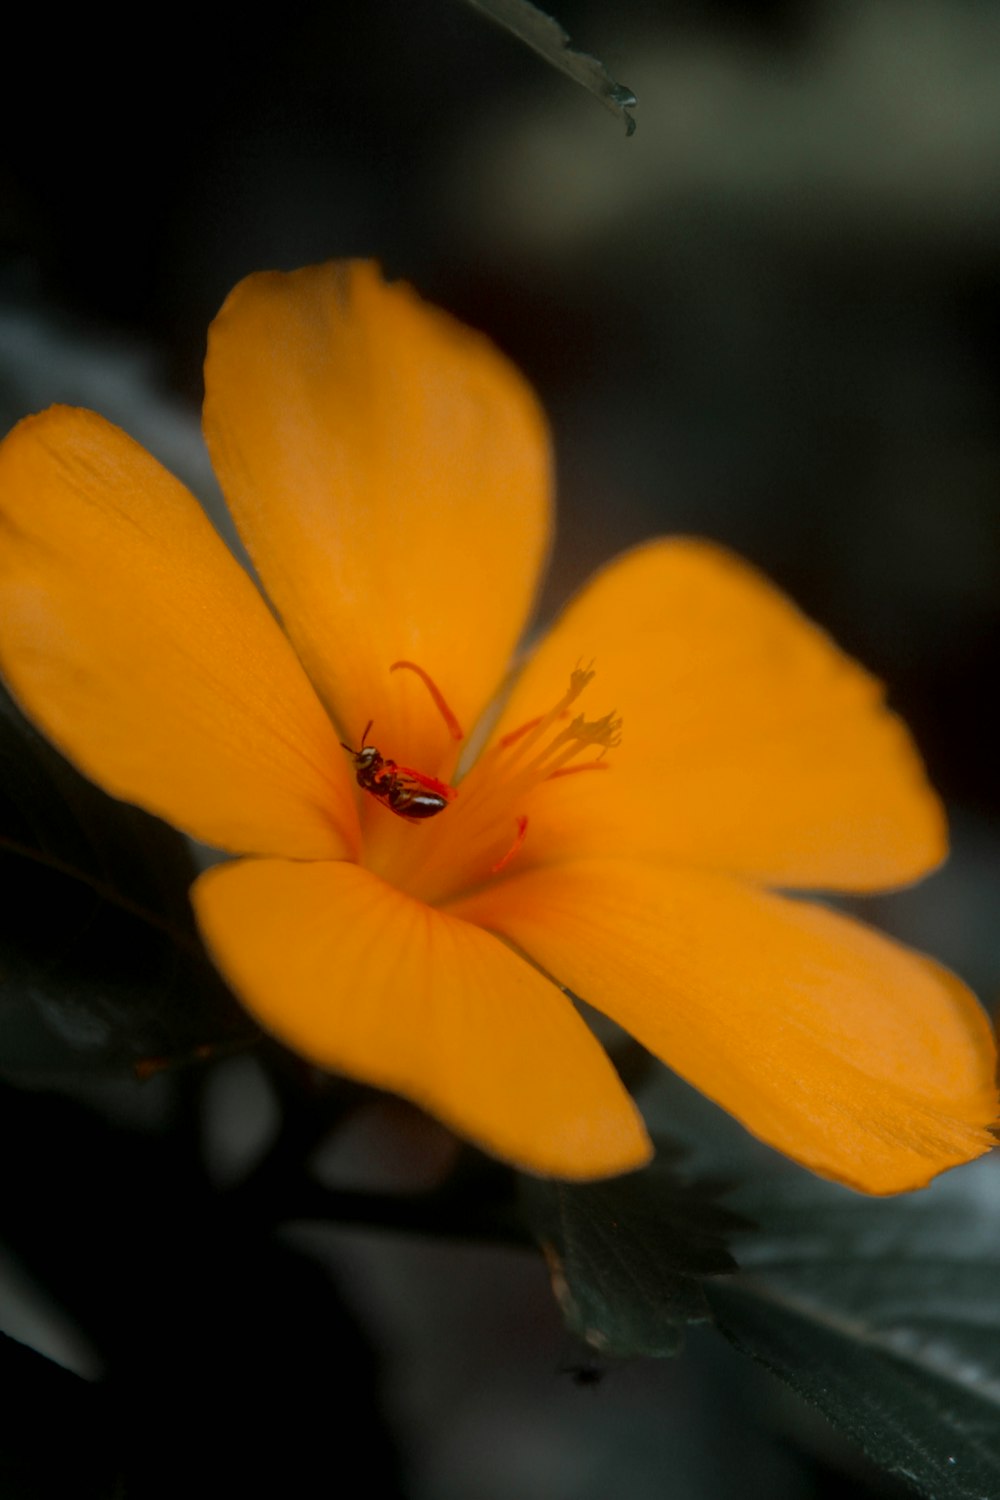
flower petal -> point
(853, 1055)
(751, 744)
(359, 978)
(137, 643)
(389, 473)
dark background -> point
(771, 317)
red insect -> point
(408, 793)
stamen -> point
(519, 837)
(513, 735)
(588, 765)
(528, 734)
(578, 680)
(605, 732)
(454, 727)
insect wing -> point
(430, 783)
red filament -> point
(512, 737)
(522, 829)
(588, 765)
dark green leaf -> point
(886, 1315)
(544, 35)
(100, 963)
(629, 1257)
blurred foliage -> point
(42, 1398)
(101, 964)
(229, 1362)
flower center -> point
(481, 832)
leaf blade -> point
(544, 35)
(629, 1256)
(884, 1314)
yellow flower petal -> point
(359, 978)
(389, 473)
(750, 743)
(853, 1055)
(133, 638)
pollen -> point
(482, 834)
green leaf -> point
(543, 34)
(100, 962)
(629, 1257)
(886, 1315)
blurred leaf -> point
(233, 1365)
(543, 34)
(100, 962)
(886, 1315)
(629, 1256)
(43, 1401)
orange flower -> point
(389, 473)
